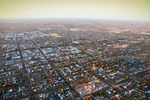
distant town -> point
(74, 60)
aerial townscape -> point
(74, 60)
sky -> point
(132, 10)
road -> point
(55, 69)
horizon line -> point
(56, 18)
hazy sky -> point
(102, 9)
